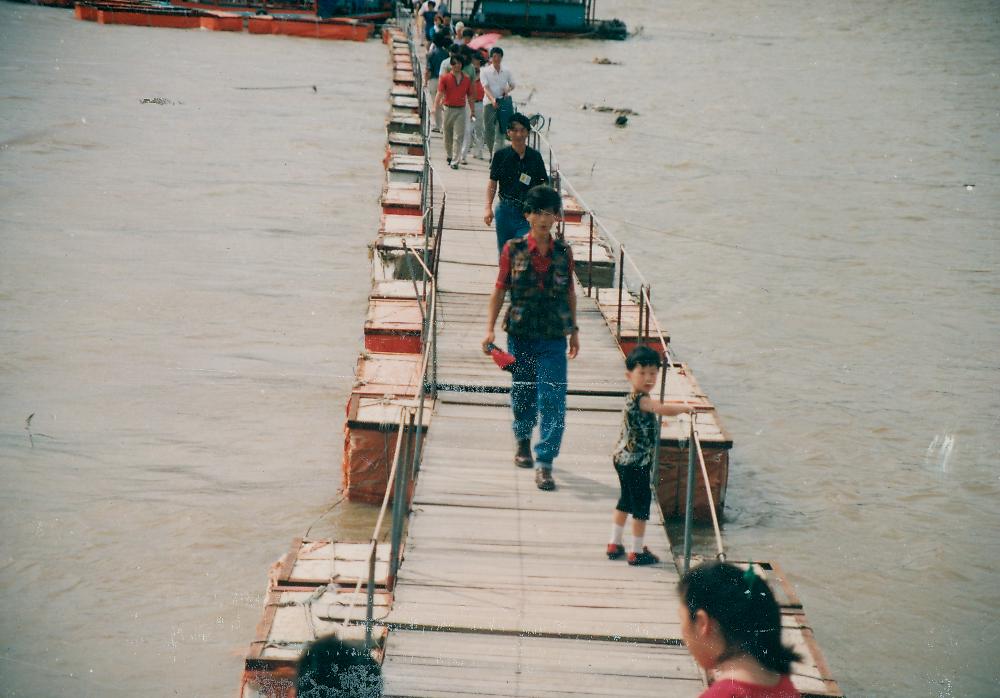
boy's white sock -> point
(637, 544)
(616, 534)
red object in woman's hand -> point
(501, 358)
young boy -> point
(633, 456)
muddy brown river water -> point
(812, 188)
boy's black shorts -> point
(635, 496)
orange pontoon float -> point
(370, 444)
(401, 143)
(572, 210)
(673, 463)
(385, 382)
(405, 168)
(394, 325)
(632, 313)
(402, 198)
(291, 25)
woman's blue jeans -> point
(538, 394)
(510, 222)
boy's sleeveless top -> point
(538, 313)
(638, 435)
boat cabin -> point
(540, 17)
(554, 17)
(557, 15)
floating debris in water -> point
(604, 108)
(969, 187)
(155, 100)
(621, 121)
(605, 61)
(281, 87)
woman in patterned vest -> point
(537, 269)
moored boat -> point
(155, 13)
(552, 18)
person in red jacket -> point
(474, 125)
(731, 625)
(455, 92)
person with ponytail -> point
(731, 625)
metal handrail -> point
(403, 465)
(721, 554)
(695, 454)
(373, 545)
(407, 454)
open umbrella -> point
(483, 41)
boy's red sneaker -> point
(615, 551)
(643, 558)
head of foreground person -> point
(518, 128)
(496, 57)
(330, 668)
(730, 617)
(642, 367)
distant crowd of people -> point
(468, 86)
(729, 618)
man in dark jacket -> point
(537, 269)
(514, 170)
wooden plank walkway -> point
(505, 590)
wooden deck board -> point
(484, 540)
(450, 665)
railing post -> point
(370, 612)
(398, 497)
(408, 468)
(642, 307)
(689, 499)
(428, 230)
(590, 257)
(434, 343)
(425, 348)
(425, 176)
(418, 427)
(438, 235)
(654, 474)
(621, 283)
(649, 310)
(557, 185)
(428, 226)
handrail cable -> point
(410, 250)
